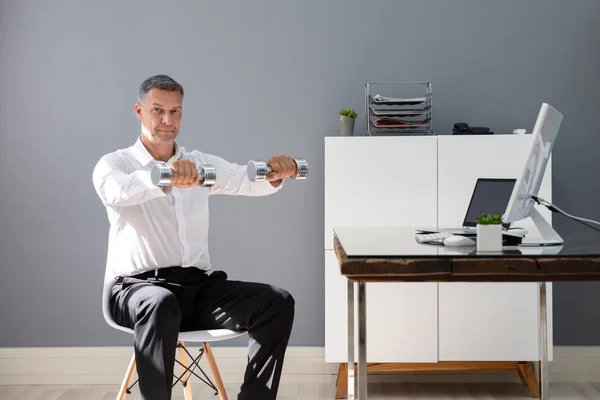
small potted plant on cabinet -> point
(346, 123)
(489, 232)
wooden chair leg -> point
(187, 389)
(127, 379)
(210, 358)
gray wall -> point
(261, 78)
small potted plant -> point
(346, 122)
(489, 232)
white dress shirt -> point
(154, 227)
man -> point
(158, 251)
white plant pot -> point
(489, 237)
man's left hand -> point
(283, 167)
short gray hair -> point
(161, 82)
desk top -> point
(392, 253)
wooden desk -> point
(389, 254)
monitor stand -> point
(549, 236)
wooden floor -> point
(322, 391)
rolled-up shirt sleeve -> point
(232, 178)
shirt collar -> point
(144, 156)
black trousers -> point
(157, 308)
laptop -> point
(490, 195)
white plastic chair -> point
(203, 337)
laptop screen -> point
(490, 196)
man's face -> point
(160, 115)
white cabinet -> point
(381, 182)
(486, 321)
(426, 181)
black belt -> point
(170, 272)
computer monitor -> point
(521, 205)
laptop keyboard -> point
(437, 237)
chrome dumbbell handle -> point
(258, 170)
(161, 174)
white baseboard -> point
(107, 365)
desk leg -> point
(544, 387)
(362, 341)
(351, 384)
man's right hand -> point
(185, 174)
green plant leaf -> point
(489, 219)
(348, 112)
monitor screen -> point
(490, 196)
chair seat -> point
(211, 335)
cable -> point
(553, 208)
(583, 223)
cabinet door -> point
(401, 319)
(481, 321)
(380, 181)
(463, 159)
(486, 321)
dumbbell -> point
(258, 170)
(162, 173)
